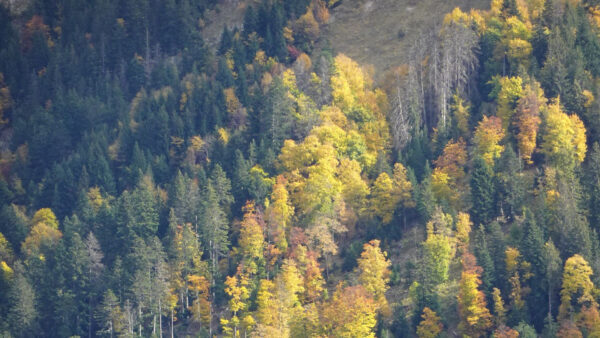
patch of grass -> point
(379, 32)
(226, 13)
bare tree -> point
(409, 99)
(453, 63)
(399, 122)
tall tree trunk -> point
(210, 312)
(147, 59)
(549, 300)
(140, 319)
(159, 318)
(90, 317)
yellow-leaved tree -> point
(251, 239)
(351, 312)
(507, 90)
(518, 271)
(237, 288)
(463, 230)
(460, 112)
(475, 318)
(564, 139)
(447, 179)
(354, 187)
(388, 193)
(279, 310)
(430, 326)
(353, 93)
(44, 232)
(499, 310)
(311, 173)
(438, 247)
(577, 287)
(488, 134)
(383, 201)
(514, 44)
(268, 320)
(279, 214)
(374, 272)
(402, 186)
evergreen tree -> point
(482, 192)
(533, 249)
(592, 184)
(137, 212)
(13, 225)
(484, 259)
(214, 228)
(510, 184)
(22, 314)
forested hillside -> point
(152, 185)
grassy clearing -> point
(228, 13)
(372, 32)
(368, 30)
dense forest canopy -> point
(154, 185)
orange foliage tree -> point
(447, 179)
(527, 119)
(430, 326)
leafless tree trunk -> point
(95, 256)
(159, 318)
(399, 121)
(453, 63)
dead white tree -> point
(453, 63)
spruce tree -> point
(482, 192)
(592, 184)
(23, 313)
